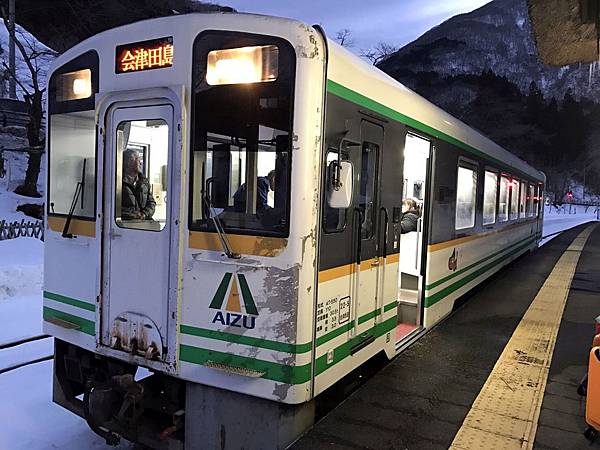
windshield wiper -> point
(219, 225)
(78, 191)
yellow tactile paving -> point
(506, 411)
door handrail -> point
(383, 210)
(357, 232)
(381, 251)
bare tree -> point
(379, 53)
(36, 59)
(344, 37)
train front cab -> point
(209, 284)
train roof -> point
(348, 75)
(351, 77)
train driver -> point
(137, 202)
(263, 185)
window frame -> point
(506, 176)
(232, 39)
(529, 207)
(523, 199)
(117, 204)
(474, 167)
(87, 60)
(496, 173)
(376, 186)
(515, 184)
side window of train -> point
(490, 192)
(466, 195)
(514, 199)
(368, 181)
(530, 197)
(523, 199)
(503, 199)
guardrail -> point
(572, 208)
(13, 230)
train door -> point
(364, 224)
(417, 152)
(137, 232)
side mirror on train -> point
(340, 184)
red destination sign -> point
(145, 55)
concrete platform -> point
(421, 399)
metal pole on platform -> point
(12, 85)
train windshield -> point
(242, 134)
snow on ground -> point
(16, 164)
(557, 221)
(20, 289)
(29, 420)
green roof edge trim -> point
(354, 97)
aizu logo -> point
(231, 286)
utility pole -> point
(12, 85)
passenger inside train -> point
(410, 215)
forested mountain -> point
(483, 68)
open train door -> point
(413, 238)
(138, 312)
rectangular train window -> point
(529, 209)
(73, 163)
(540, 197)
(466, 197)
(72, 138)
(141, 193)
(490, 191)
(514, 199)
(241, 137)
(523, 199)
(503, 199)
(368, 177)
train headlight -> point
(243, 65)
(74, 85)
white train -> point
(224, 209)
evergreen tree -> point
(534, 103)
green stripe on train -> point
(85, 326)
(269, 370)
(275, 345)
(343, 351)
(246, 340)
(433, 299)
(455, 274)
(354, 97)
(70, 301)
(282, 373)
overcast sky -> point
(397, 22)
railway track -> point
(12, 346)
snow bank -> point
(21, 267)
(555, 222)
(30, 421)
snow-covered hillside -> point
(496, 37)
(30, 43)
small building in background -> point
(13, 113)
